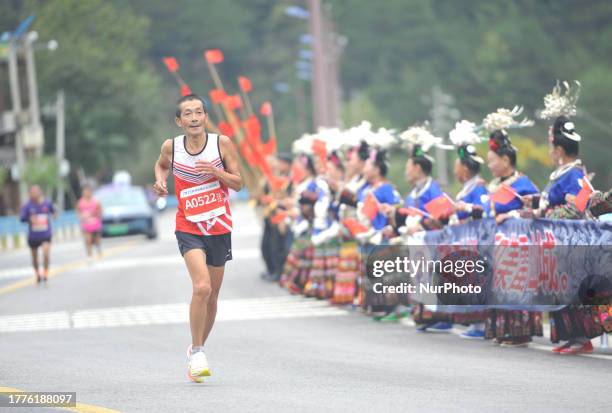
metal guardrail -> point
(13, 232)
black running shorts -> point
(218, 248)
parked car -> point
(125, 210)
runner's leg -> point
(46, 247)
(34, 252)
(195, 259)
(216, 278)
(88, 241)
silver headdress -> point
(464, 137)
(504, 119)
(559, 103)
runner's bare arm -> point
(162, 168)
(231, 176)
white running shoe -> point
(198, 367)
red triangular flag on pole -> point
(297, 173)
(439, 207)
(245, 84)
(370, 207)
(233, 102)
(185, 90)
(213, 56)
(504, 194)
(217, 95)
(226, 129)
(582, 198)
(171, 64)
(253, 130)
(265, 109)
(269, 148)
(278, 217)
(319, 148)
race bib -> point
(40, 222)
(203, 202)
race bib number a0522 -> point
(203, 202)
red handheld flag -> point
(171, 64)
(582, 198)
(354, 226)
(504, 194)
(185, 90)
(440, 207)
(370, 207)
(278, 217)
(265, 109)
(213, 56)
(245, 84)
(278, 182)
(217, 95)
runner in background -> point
(90, 215)
(37, 212)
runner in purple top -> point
(37, 212)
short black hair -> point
(187, 98)
(499, 142)
(570, 146)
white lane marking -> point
(229, 310)
(136, 262)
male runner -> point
(204, 166)
(37, 212)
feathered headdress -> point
(464, 137)
(558, 103)
(504, 119)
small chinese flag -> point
(217, 95)
(185, 90)
(265, 109)
(504, 194)
(298, 173)
(370, 207)
(213, 56)
(171, 64)
(226, 129)
(245, 84)
(233, 102)
(269, 148)
(354, 226)
(440, 207)
(582, 198)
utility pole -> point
(442, 114)
(319, 78)
(60, 145)
(16, 104)
(35, 132)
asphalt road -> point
(115, 332)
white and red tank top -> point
(203, 200)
